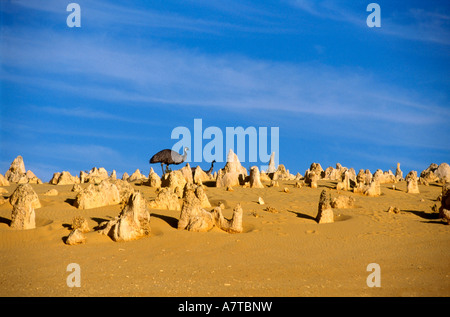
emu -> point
(168, 157)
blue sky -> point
(110, 93)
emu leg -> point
(162, 168)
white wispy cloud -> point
(333, 10)
(47, 128)
(411, 23)
(109, 14)
(90, 113)
(419, 25)
(184, 77)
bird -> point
(168, 157)
(207, 172)
(211, 168)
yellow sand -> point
(279, 254)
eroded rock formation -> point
(201, 176)
(80, 223)
(412, 186)
(175, 181)
(436, 173)
(18, 175)
(165, 199)
(325, 213)
(153, 179)
(75, 237)
(342, 202)
(24, 200)
(255, 180)
(272, 168)
(64, 178)
(133, 221)
(233, 225)
(311, 178)
(193, 217)
(3, 181)
(136, 176)
(95, 176)
(93, 196)
(398, 173)
(374, 188)
(233, 173)
(344, 183)
(444, 210)
(186, 171)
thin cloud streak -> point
(412, 24)
(60, 129)
(85, 112)
(105, 13)
(232, 82)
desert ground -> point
(284, 253)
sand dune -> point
(283, 253)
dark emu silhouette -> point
(168, 157)
(208, 172)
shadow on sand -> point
(304, 216)
(171, 221)
(432, 217)
(5, 220)
(423, 214)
